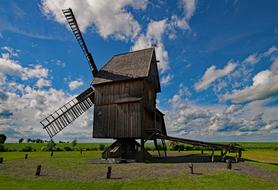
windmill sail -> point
(66, 114)
(76, 31)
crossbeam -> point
(199, 143)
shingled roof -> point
(130, 65)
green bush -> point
(2, 148)
(27, 149)
(101, 147)
(66, 148)
(58, 149)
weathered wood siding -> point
(129, 120)
(118, 120)
(110, 92)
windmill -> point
(123, 93)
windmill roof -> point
(130, 65)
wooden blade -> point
(76, 31)
(66, 114)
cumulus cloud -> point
(182, 94)
(252, 59)
(153, 36)
(212, 74)
(23, 105)
(166, 79)
(43, 83)
(265, 85)
(191, 120)
(270, 51)
(75, 84)
(110, 19)
(189, 7)
(9, 66)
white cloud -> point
(166, 79)
(265, 85)
(270, 51)
(196, 121)
(109, 18)
(252, 59)
(43, 83)
(11, 67)
(75, 84)
(182, 94)
(212, 74)
(155, 31)
(23, 105)
(189, 7)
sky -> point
(218, 63)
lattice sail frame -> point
(66, 114)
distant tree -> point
(61, 142)
(39, 141)
(50, 145)
(20, 140)
(2, 138)
(29, 140)
(74, 143)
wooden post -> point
(155, 144)
(81, 151)
(212, 156)
(229, 164)
(236, 158)
(142, 150)
(51, 153)
(1, 160)
(26, 156)
(38, 171)
(202, 151)
(190, 165)
(239, 154)
(109, 171)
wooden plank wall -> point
(123, 120)
(110, 92)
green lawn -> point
(222, 181)
(71, 170)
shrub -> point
(2, 148)
(66, 148)
(50, 146)
(74, 143)
(27, 149)
(59, 149)
(101, 147)
(43, 148)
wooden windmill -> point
(123, 93)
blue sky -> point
(218, 63)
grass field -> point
(71, 170)
(222, 181)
